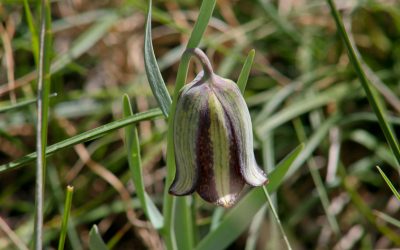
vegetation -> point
(89, 166)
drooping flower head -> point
(213, 139)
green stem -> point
(43, 89)
(169, 200)
(64, 225)
(205, 62)
(278, 221)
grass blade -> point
(84, 137)
(317, 179)
(95, 240)
(33, 30)
(313, 142)
(389, 183)
(67, 210)
(364, 208)
(135, 166)
(21, 104)
(387, 218)
(239, 217)
(278, 221)
(244, 74)
(371, 94)
(43, 88)
(276, 177)
(58, 195)
(153, 73)
(206, 10)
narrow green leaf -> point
(135, 166)
(206, 10)
(371, 94)
(59, 198)
(276, 102)
(389, 183)
(33, 30)
(95, 240)
(84, 137)
(184, 223)
(276, 177)
(313, 142)
(240, 216)
(317, 179)
(153, 73)
(278, 221)
(388, 218)
(244, 74)
(43, 89)
(21, 104)
(67, 210)
(363, 208)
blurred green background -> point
(302, 89)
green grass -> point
(67, 210)
(313, 74)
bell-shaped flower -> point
(213, 139)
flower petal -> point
(220, 179)
(236, 109)
(186, 119)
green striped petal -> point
(236, 109)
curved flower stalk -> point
(213, 139)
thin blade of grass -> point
(278, 221)
(135, 166)
(21, 104)
(43, 89)
(388, 218)
(371, 142)
(153, 73)
(389, 183)
(371, 94)
(67, 210)
(239, 217)
(274, 103)
(83, 137)
(33, 30)
(58, 195)
(317, 179)
(364, 208)
(206, 10)
(313, 142)
(244, 74)
(95, 240)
